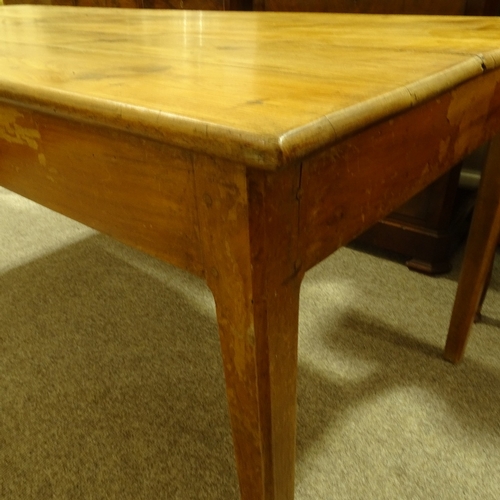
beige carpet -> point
(111, 382)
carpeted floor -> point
(111, 382)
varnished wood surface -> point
(166, 131)
(134, 189)
(391, 162)
(260, 88)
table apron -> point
(139, 191)
(352, 185)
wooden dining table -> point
(244, 147)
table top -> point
(260, 88)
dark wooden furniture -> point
(429, 227)
(146, 4)
(441, 7)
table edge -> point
(261, 151)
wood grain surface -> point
(137, 190)
(260, 88)
(245, 148)
(349, 187)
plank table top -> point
(274, 85)
(244, 147)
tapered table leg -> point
(250, 242)
(479, 254)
